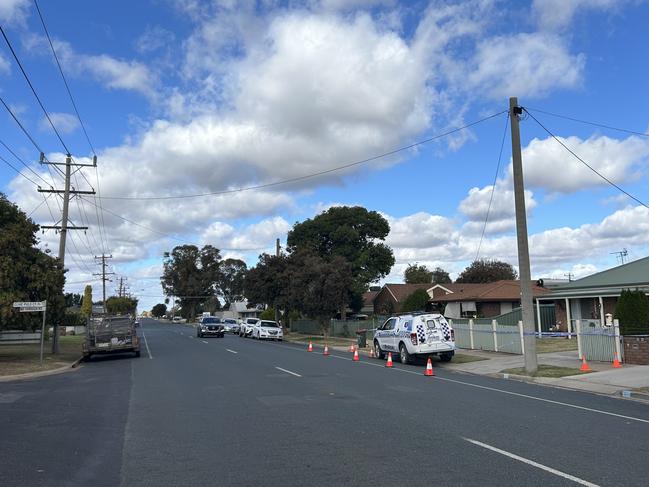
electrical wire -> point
(47, 115)
(595, 124)
(19, 172)
(584, 162)
(31, 139)
(19, 159)
(493, 188)
(309, 176)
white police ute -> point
(415, 335)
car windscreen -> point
(211, 320)
(269, 324)
(251, 322)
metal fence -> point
(336, 328)
(492, 336)
(598, 342)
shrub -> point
(632, 311)
(417, 301)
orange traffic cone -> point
(351, 348)
(616, 362)
(371, 352)
(310, 349)
(326, 350)
(356, 357)
(584, 365)
(389, 362)
(429, 369)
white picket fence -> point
(492, 337)
(597, 342)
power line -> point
(309, 176)
(634, 132)
(19, 172)
(31, 139)
(584, 162)
(19, 159)
(493, 188)
(67, 87)
(47, 115)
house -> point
(594, 296)
(368, 302)
(391, 296)
(242, 310)
(485, 300)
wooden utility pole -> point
(277, 252)
(527, 304)
(103, 275)
(64, 227)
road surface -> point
(237, 411)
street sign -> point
(30, 309)
(29, 304)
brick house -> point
(391, 296)
(594, 296)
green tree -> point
(121, 305)
(267, 283)
(352, 233)
(72, 300)
(26, 273)
(481, 271)
(191, 274)
(416, 301)
(267, 314)
(417, 274)
(440, 276)
(231, 280)
(86, 306)
(632, 311)
(159, 310)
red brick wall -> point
(636, 349)
(488, 309)
(384, 304)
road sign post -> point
(31, 307)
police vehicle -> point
(415, 335)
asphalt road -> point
(236, 411)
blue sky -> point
(184, 96)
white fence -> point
(492, 337)
(19, 337)
(597, 342)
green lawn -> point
(546, 371)
(21, 359)
(547, 345)
(462, 358)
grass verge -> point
(462, 358)
(548, 345)
(546, 371)
(22, 359)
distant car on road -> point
(267, 330)
(210, 326)
(231, 325)
(247, 326)
(178, 319)
(415, 335)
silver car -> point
(247, 327)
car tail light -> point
(413, 338)
(453, 335)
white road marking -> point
(204, 341)
(494, 389)
(288, 372)
(231, 351)
(533, 463)
(147, 345)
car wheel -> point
(377, 350)
(403, 353)
(446, 357)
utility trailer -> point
(111, 334)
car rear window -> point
(432, 324)
(211, 320)
(269, 324)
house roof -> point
(492, 291)
(628, 275)
(401, 291)
(368, 297)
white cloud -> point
(154, 38)
(526, 65)
(255, 237)
(558, 14)
(548, 165)
(13, 10)
(65, 123)
(5, 66)
(420, 230)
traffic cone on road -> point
(616, 362)
(310, 349)
(326, 350)
(429, 369)
(351, 349)
(389, 362)
(356, 357)
(584, 365)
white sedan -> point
(267, 330)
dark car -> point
(210, 326)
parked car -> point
(110, 334)
(414, 336)
(210, 326)
(178, 319)
(247, 326)
(269, 330)
(231, 325)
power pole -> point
(64, 227)
(277, 251)
(121, 287)
(103, 275)
(527, 303)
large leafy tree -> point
(192, 275)
(26, 273)
(72, 299)
(440, 276)
(267, 282)
(417, 274)
(121, 305)
(159, 310)
(417, 301)
(231, 279)
(352, 233)
(481, 271)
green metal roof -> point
(631, 275)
